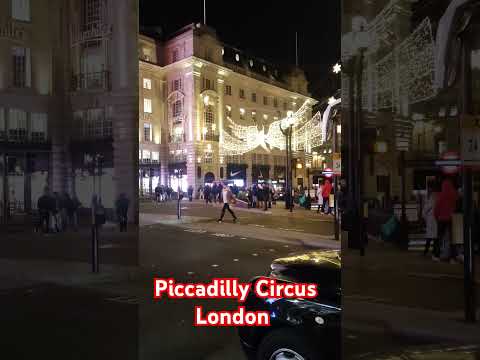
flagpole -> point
(296, 48)
(204, 12)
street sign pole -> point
(468, 153)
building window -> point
(207, 84)
(21, 67)
(242, 114)
(209, 129)
(254, 115)
(17, 125)
(228, 90)
(21, 10)
(275, 102)
(177, 84)
(242, 94)
(39, 125)
(208, 158)
(265, 100)
(155, 156)
(147, 106)
(146, 54)
(91, 14)
(254, 97)
(285, 105)
(146, 156)
(147, 132)
(92, 123)
(177, 108)
(147, 84)
(175, 55)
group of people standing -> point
(261, 196)
(323, 195)
(163, 193)
(56, 212)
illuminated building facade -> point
(68, 95)
(209, 112)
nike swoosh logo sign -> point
(235, 173)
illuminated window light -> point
(237, 57)
(223, 51)
(264, 68)
(265, 116)
(251, 63)
(242, 111)
(339, 129)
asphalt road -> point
(121, 320)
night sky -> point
(266, 29)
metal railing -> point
(23, 136)
(91, 81)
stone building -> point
(68, 97)
(208, 112)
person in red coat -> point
(444, 209)
(327, 189)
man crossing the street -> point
(227, 197)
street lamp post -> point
(94, 165)
(287, 132)
(355, 43)
(179, 175)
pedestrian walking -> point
(122, 205)
(207, 193)
(227, 197)
(431, 231)
(190, 193)
(157, 193)
(443, 211)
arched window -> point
(177, 108)
(209, 127)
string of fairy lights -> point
(306, 134)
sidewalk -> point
(407, 294)
(25, 273)
(115, 247)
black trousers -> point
(443, 228)
(436, 246)
(227, 207)
(123, 223)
